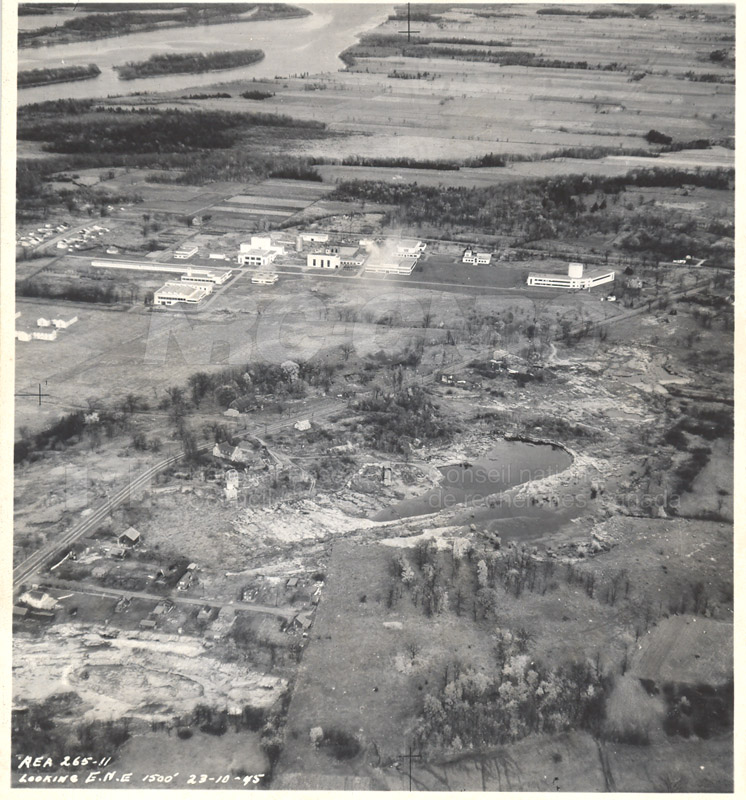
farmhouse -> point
(43, 323)
(324, 260)
(186, 251)
(172, 292)
(47, 337)
(576, 278)
(223, 450)
(243, 453)
(39, 601)
(471, 257)
(22, 336)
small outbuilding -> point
(130, 538)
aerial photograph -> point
(374, 397)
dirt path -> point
(287, 612)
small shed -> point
(148, 623)
(20, 612)
(130, 538)
(293, 582)
(303, 425)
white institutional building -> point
(576, 278)
(171, 293)
(471, 257)
(259, 252)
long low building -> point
(171, 293)
(266, 278)
(403, 266)
(185, 251)
(205, 277)
(577, 278)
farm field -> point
(445, 113)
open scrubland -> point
(568, 629)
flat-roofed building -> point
(259, 252)
(206, 277)
(395, 266)
(351, 256)
(577, 278)
(171, 293)
(314, 237)
(186, 251)
(472, 257)
(409, 248)
(323, 260)
(265, 278)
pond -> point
(309, 44)
(507, 464)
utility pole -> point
(410, 757)
(409, 30)
(38, 394)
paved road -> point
(286, 612)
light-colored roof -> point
(185, 290)
(131, 533)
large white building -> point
(392, 266)
(259, 252)
(323, 260)
(576, 278)
(173, 292)
(205, 277)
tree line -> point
(45, 75)
(170, 63)
(138, 130)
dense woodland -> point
(566, 207)
(170, 63)
(231, 146)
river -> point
(506, 465)
(293, 46)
